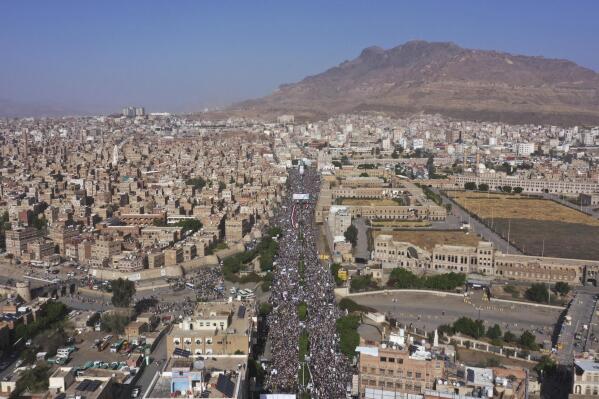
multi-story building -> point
(591, 199)
(103, 250)
(62, 235)
(173, 256)
(234, 229)
(529, 185)
(385, 371)
(40, 249)
(339, 220)
(585, 379)
(483, 258)
(18, 239)
(216, 328)
(524, 149)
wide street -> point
(158, 358)
(575, 335)
(429, 311)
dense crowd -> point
(208, 284)
(329, 370)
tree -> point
(363, 174)
(470, 186)
(347, 329)
(538, 293)
(335, 272)
(506, 189)
(351, 234)
(403, 279)
(197, 182)
(467, 326)
(265, 309)
(351, 306)
(192, 225)
(448, 206)
(518, 190)
(430, 165)
(122, 292)
(508, 336)
(114, 322)
(527, 341)
(483, 187)
(494, 332)
(562, 288)
(546, 366)
(34, 380)
(362, 283)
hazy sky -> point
(96, 56)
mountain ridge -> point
(442, 77)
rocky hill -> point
(444, 78)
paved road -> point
(477, 227)
(586, 209)
(573, 336)
(11, 365)
(429, 311)
(158, 357)
(361, 249)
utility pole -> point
(509, 227)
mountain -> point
(421, 76)
(13, 109)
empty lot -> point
(535, 226)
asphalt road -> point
(573, 335)
(429, 311)
(361, 249)
(589, 210)
(158, 358)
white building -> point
(339, 220)
(524, 149)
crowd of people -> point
(157, 305)
(329, 370)
(208, 284)
(283, 322)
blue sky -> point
(96, 56)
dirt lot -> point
(502, 206)
(427, 239)
(537, 227)
(473, 357)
